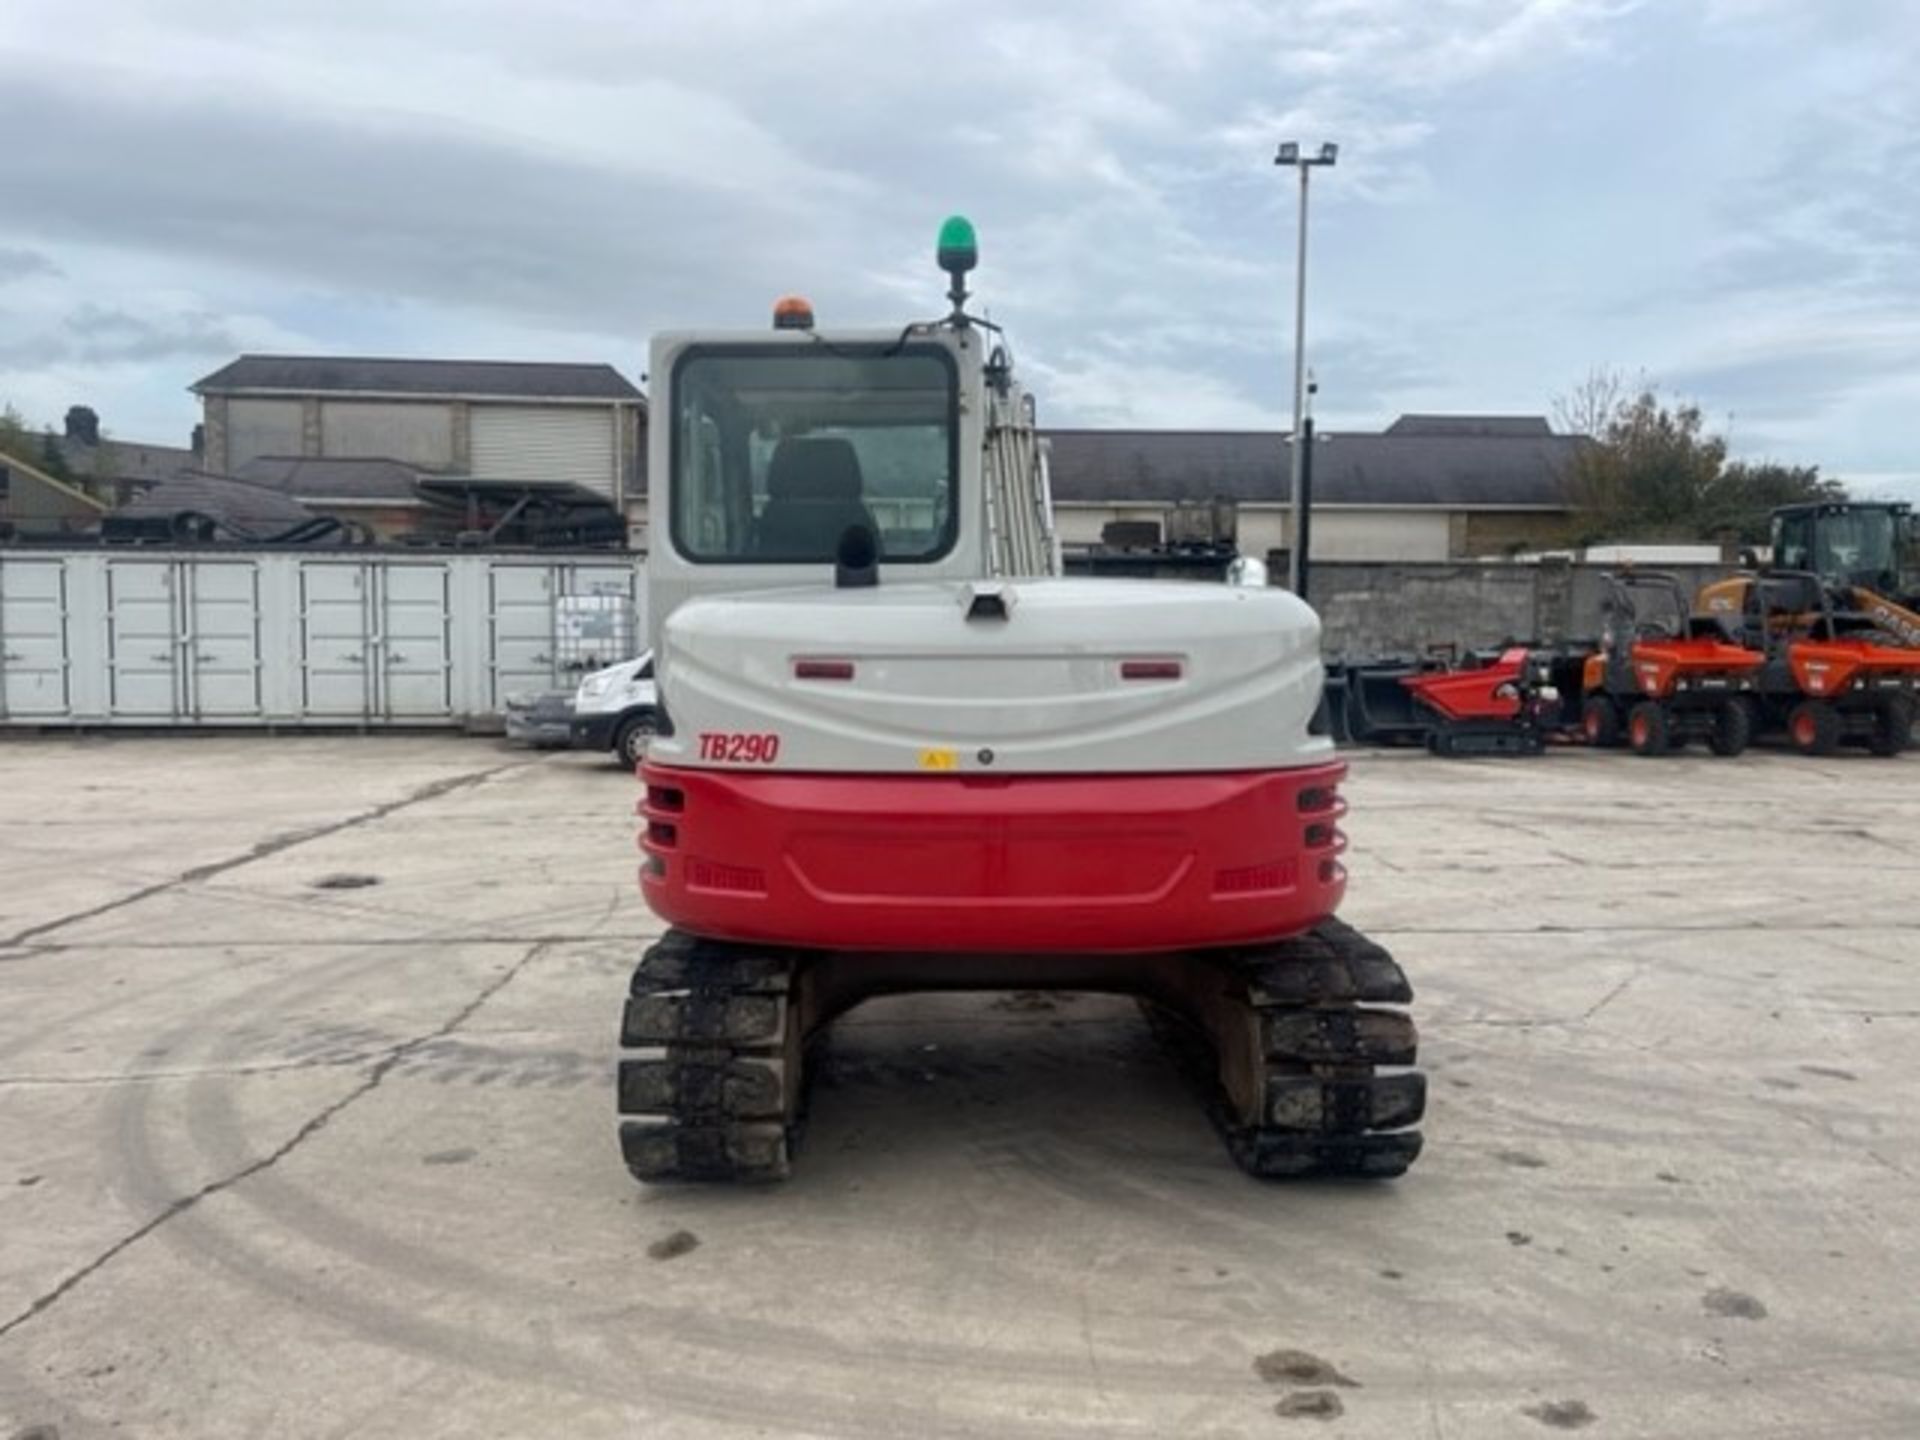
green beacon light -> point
(957, 253)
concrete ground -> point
(284, 1159)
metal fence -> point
(260, 637)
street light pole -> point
(1290, 153)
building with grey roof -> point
(106, 465)
(448, 379)
(1426, 488)
(339, 429)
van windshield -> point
(778, 451)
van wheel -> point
(630, 741)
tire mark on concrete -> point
(313, 1126)
(353, 942)
(272, 845)
(150, 1077)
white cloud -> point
(1105, 389)
(1525, 188)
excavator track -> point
(1303, 1073)
(711, 1074)
(1303, 1068)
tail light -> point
(1150, 669)
(823, 669)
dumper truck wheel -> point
(1647, 729)
(630, 741)
(1814, 727)
(1732, 729)
(1892, 728)
(1600, 721)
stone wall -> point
(1389, 609)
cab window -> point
(779, 451)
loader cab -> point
(1845, 543)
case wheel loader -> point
(897, 752)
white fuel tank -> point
(1053, 676)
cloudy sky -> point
(1723, 195)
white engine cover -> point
(1039, 692)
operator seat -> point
(813, 495)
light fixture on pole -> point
(1290, 153)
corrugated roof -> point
(1457, 471)
(318, 478)
(509, 379)
(232, 502)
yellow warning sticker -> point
(939, 759)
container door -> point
(415, 642)
(34, 654)
(335, 641)
(223, 635)
(519, 631)
(143, 640)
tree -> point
(52, 458)
(1648, 474)
(15, 438)
(1653, 472)
(1589, 407)
(1752, 489)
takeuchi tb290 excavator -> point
(898, 752)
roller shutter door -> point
(545, 442)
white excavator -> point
(896, 751)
